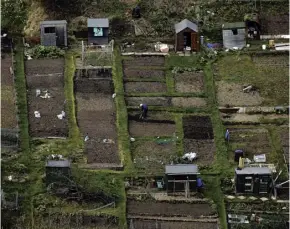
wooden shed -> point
(186, 35)
(253, 180)
(234, 35)
(57, 171)
(98, 31)
(53, 33)
(181, 178)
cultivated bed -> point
(161, 224)
(252, 140)
(150, 127)
(132, 73)
(189, 82)
(96, 119)
(152, 156)
(145, 87)
(139, 61)
(46, 75)
(153, 208)
(198, 138)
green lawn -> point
(272, 81)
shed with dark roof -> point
(53, 33)
(181, 178)
(98, 31)
(57, 171)
(186, 35)
(253, 180)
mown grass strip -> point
(74, 132)
(20, 86)
(221, 157)
(121, 112)
(179, 134)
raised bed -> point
(153, 208)
(150, 101)
(150, 127)
(189, 82)
(46, 74)
(188, 102)
(141, 61)
(145, 87)
(162, 224)
(130, 73)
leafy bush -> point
(187, 69)
(40, 51)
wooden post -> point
(83, 51)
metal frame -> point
(101, 51)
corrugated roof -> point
(254, 170)
(185, 24)
(98, 22)
(58, 164)
(234, 25)
(181, 169)
(57, 22)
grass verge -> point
(121, 112)
(20, 85)
(74, 132)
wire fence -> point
(97, 55)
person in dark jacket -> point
(144, 110)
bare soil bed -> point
(188, 82)
(144, 87)
(8, 105)
(150, 127)
(150, 101)
(275, 24)
(151, 156)
(188, 102)
(273, 60)
(140, 223)
(96, 118)
(252, 140)
(48, 125)
(94, 73)
(150, 207)
(197, 127)
(46, 74)
(205, 150)
(130, 73)
(232, 94)
(144, 61)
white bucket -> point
(264, 47)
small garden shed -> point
(53, 33)
(57, 171)
(186, 35)
(181, 178)
(234, 35)
(98, 31)
(253, 180)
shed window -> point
(98, 32)
(235, 31)
(49, 30)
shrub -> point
(40, 51)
